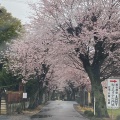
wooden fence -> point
(11, 102)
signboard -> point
(24, 95)
(113, 94)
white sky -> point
(18, 8)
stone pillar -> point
(3, 106)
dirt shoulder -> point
(29, 112)
(79, 109)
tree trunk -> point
(97, 91)
(100, 103)
(68, 96)
(31, 104)
(36, 99)
(73, 95)
(93, 71)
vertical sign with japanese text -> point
(113, 94)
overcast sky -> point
(18, 8)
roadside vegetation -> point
(114, 114)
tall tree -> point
(92, 29)
(10, 27)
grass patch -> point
(83, 109)
(115, 114)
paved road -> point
(14, 117)
(54, 110)
(58, 110)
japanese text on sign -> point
(113, 94)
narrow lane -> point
(58, 110)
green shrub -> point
(86, 112)
(90, 104)
(89, 113)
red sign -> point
(113, 81)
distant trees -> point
(70, 90)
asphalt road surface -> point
(58, 110)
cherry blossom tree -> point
(28, 55)
(26, 58)
(90, 29)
